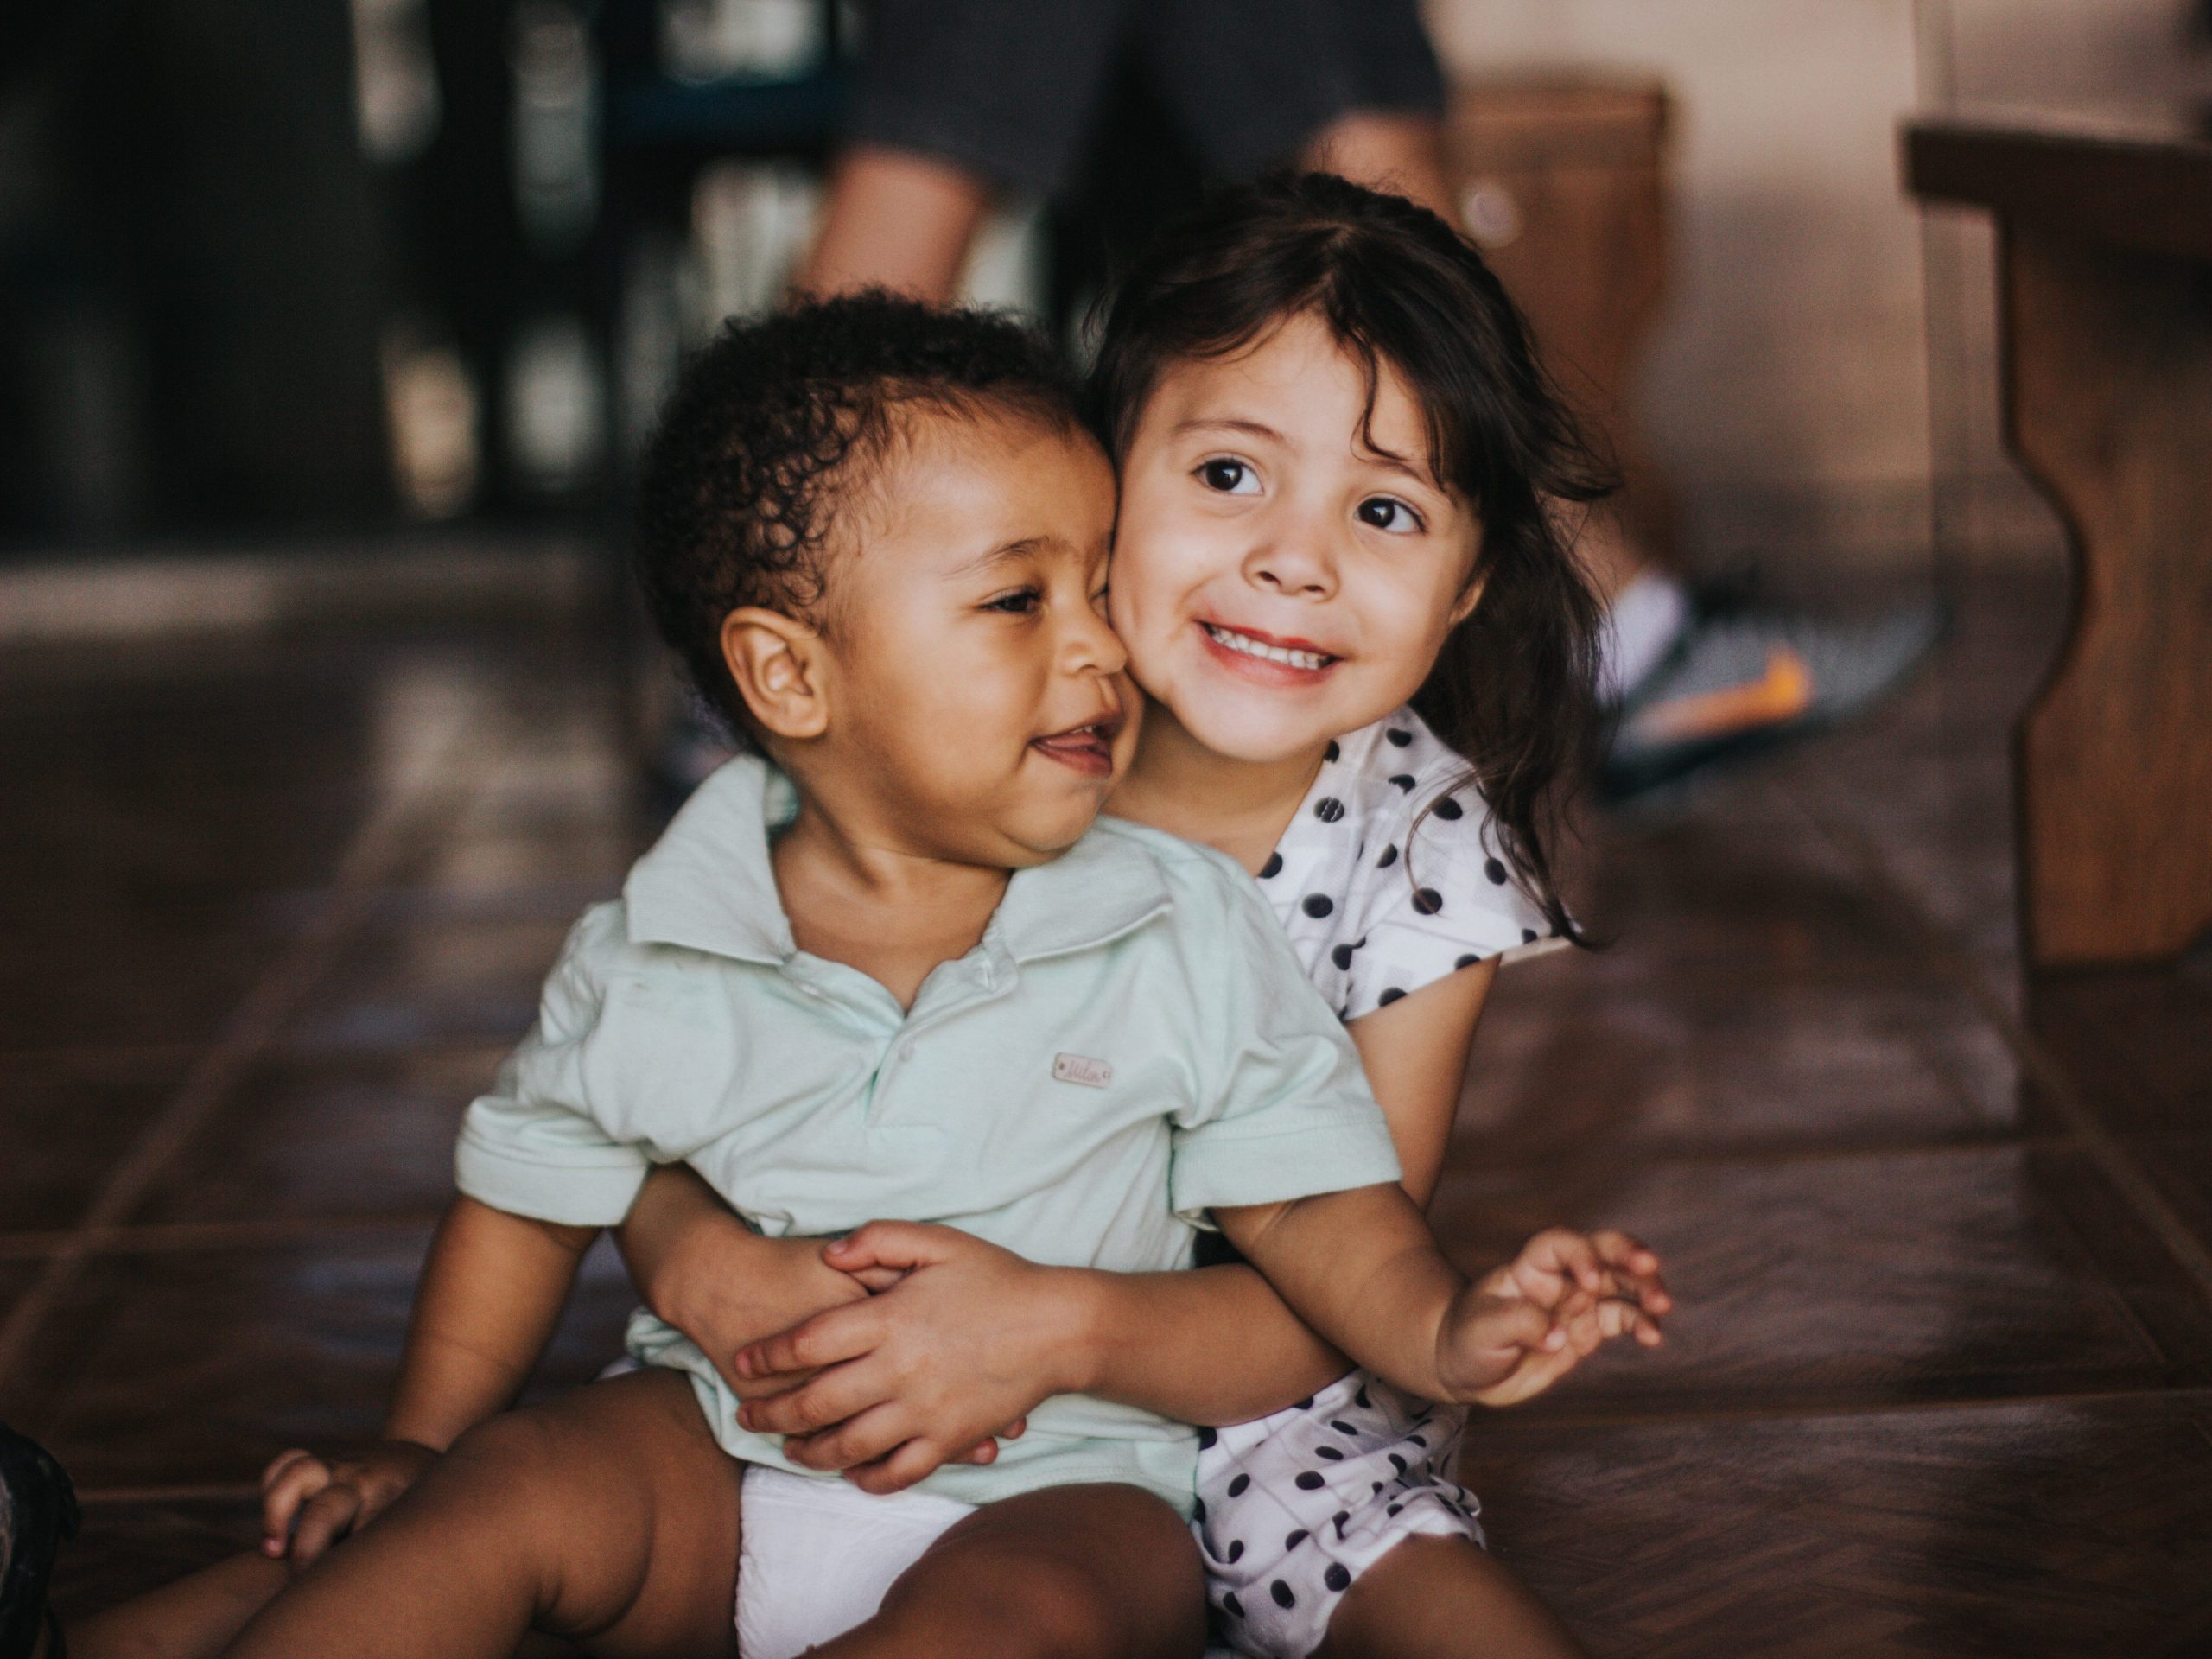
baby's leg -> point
(1443, 1597)
(609, 1516)
(1101, 1571)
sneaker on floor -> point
(1736, 683)
(38, 1515)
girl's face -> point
(1280, 577)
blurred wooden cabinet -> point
(1561, 180)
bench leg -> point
(2108, 404)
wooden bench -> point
(2104, 297)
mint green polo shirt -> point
(1131, 1044)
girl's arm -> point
(1219, 1345)
(976, 1336)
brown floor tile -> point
(62, 1139)
(128, 1549)
(1863, 1279)
(2016, 1532)
(2137, 1043)
(1630, 1049)
(410, 984)
(2181, 1167)
(192, 1367)
(343, 1135)
(171, 977)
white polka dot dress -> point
(1390, 877)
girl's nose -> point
(1298, 563)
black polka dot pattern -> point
(1392, 994)
(1381, 811)
(1237, 1486)
(1310, 1481)
(1335, 751)
(1338, 1578)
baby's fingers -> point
(289, 1481)
(327, 1516)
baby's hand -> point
(1521, 1327)
(309, 1504)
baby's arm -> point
(492, 1290)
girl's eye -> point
(1229, 477)
(1021, 602)
(1388, 512)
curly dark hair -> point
(776, 431)
(1513, 688)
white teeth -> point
(1252, 647)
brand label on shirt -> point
(1081, 1068)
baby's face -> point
(981, 700)
(1279, 578)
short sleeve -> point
(1283, 1108)
(1445, 901)
(532, 1146)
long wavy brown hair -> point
(1513, 689)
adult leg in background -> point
(1440, 1597)
(609, 1517)
(1097, 1572)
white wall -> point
(1789, 388)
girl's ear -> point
(781, 668)
(1464, 606)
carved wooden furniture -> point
(2105, 291)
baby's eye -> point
(1098, 599)
(1021, 602)
(1228, 476)
(1388, 512)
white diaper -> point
(816, 1555)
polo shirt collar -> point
(707, 883)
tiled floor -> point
(1942, 1382)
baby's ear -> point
(781, 668)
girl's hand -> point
(961, 1346)
(1521, 1327)
(309, 1504)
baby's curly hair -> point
(776, 431)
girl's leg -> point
(1434, 1598)
(1100, 1572)
(609, 1516)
